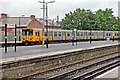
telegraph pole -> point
(47, 26)
(47, 41)
(43, 21)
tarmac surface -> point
(39, 49)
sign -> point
(11, 25)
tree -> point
(87, 20)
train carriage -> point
(108, 34)
(35, 35)
(31, 35)
(56, 35)
(116, 35)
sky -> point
(59, 7)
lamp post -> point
(43, 20)
(47, 40)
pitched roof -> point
(26, 22)
(19, 21)
(50, 22)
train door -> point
(113, 34)
(100, 34)
(50, 35)
(36, 36)
(96, 35)
(63, 35)
(85, 35)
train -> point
(35, 35)
(28, 36)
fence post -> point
(5, 38)
(15, 36)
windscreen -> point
(27, 32)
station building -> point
(26, 22)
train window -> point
(78, 34)
(92, 34)
(106, 34)
(45, 33)
(81, 34)
(31, 32)
(89, 34)
(59, 33)
(36, 33)
(117, 34)
(24, 32)
(27, 32)
(109, 34)
(55, 33)
(68, 34)
(50, 33)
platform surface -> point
(39, 50)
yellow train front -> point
(35, 35)
(29, 35)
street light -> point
(47, 40)
(46, 20)
(43, 20)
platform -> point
(27, 52)
(11, 42)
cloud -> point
(60, 7)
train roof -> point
(69, 30)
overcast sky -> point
(59, 7)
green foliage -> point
(87, 20)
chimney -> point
(3, 15)
(32, 16)
(57, 19)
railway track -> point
(89, 72)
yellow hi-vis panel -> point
(50, 35)
(63, 36)
(96, 35)
(85, 35)
(113, 34)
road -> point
(38, 49)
